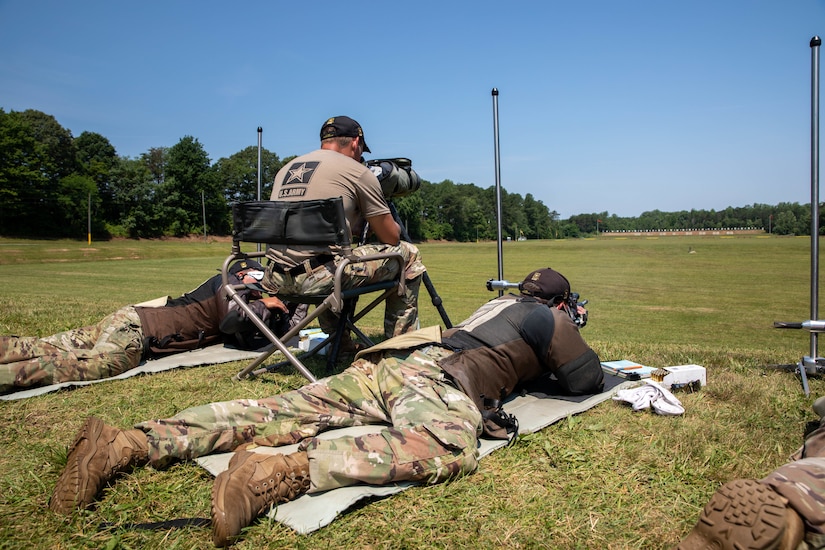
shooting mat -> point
(211, 355)
(537, 408)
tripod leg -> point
(436, 299)
(803, 373)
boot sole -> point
(741, 515)
(90, 432)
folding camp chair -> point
(313, 222)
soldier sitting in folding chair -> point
(331, 171)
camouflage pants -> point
(802, 482)
(401, 312)
(430, 429)
(111, 347)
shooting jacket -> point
(507, 343)
(511, 341)
(188, 322)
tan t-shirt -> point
(323, 174)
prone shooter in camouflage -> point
(122, 339)
(431, 394)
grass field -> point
(608, 478)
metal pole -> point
(203, 205)
(498, 188)
(815, 43)
(260, 132)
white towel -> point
(652, 394)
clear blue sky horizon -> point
(618, 107)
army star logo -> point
(300, 173)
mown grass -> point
(608, 478)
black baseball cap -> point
(343, 126)
(547, 284)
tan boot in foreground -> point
(746, 515)
(98, 454)
(251, 484)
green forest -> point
(55, 185)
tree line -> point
(785, 218)
(55, 185)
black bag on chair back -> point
(282, 222)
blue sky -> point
(610, 106)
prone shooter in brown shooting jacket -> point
(121, 340)
(204, 316)
(511, 341)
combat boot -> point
(746, 515)
(98, 454)
(252, 483)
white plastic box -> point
(310, 338)
(684, 374)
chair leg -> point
(361, 336)
(340, 330)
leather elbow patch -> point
(582, 375)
